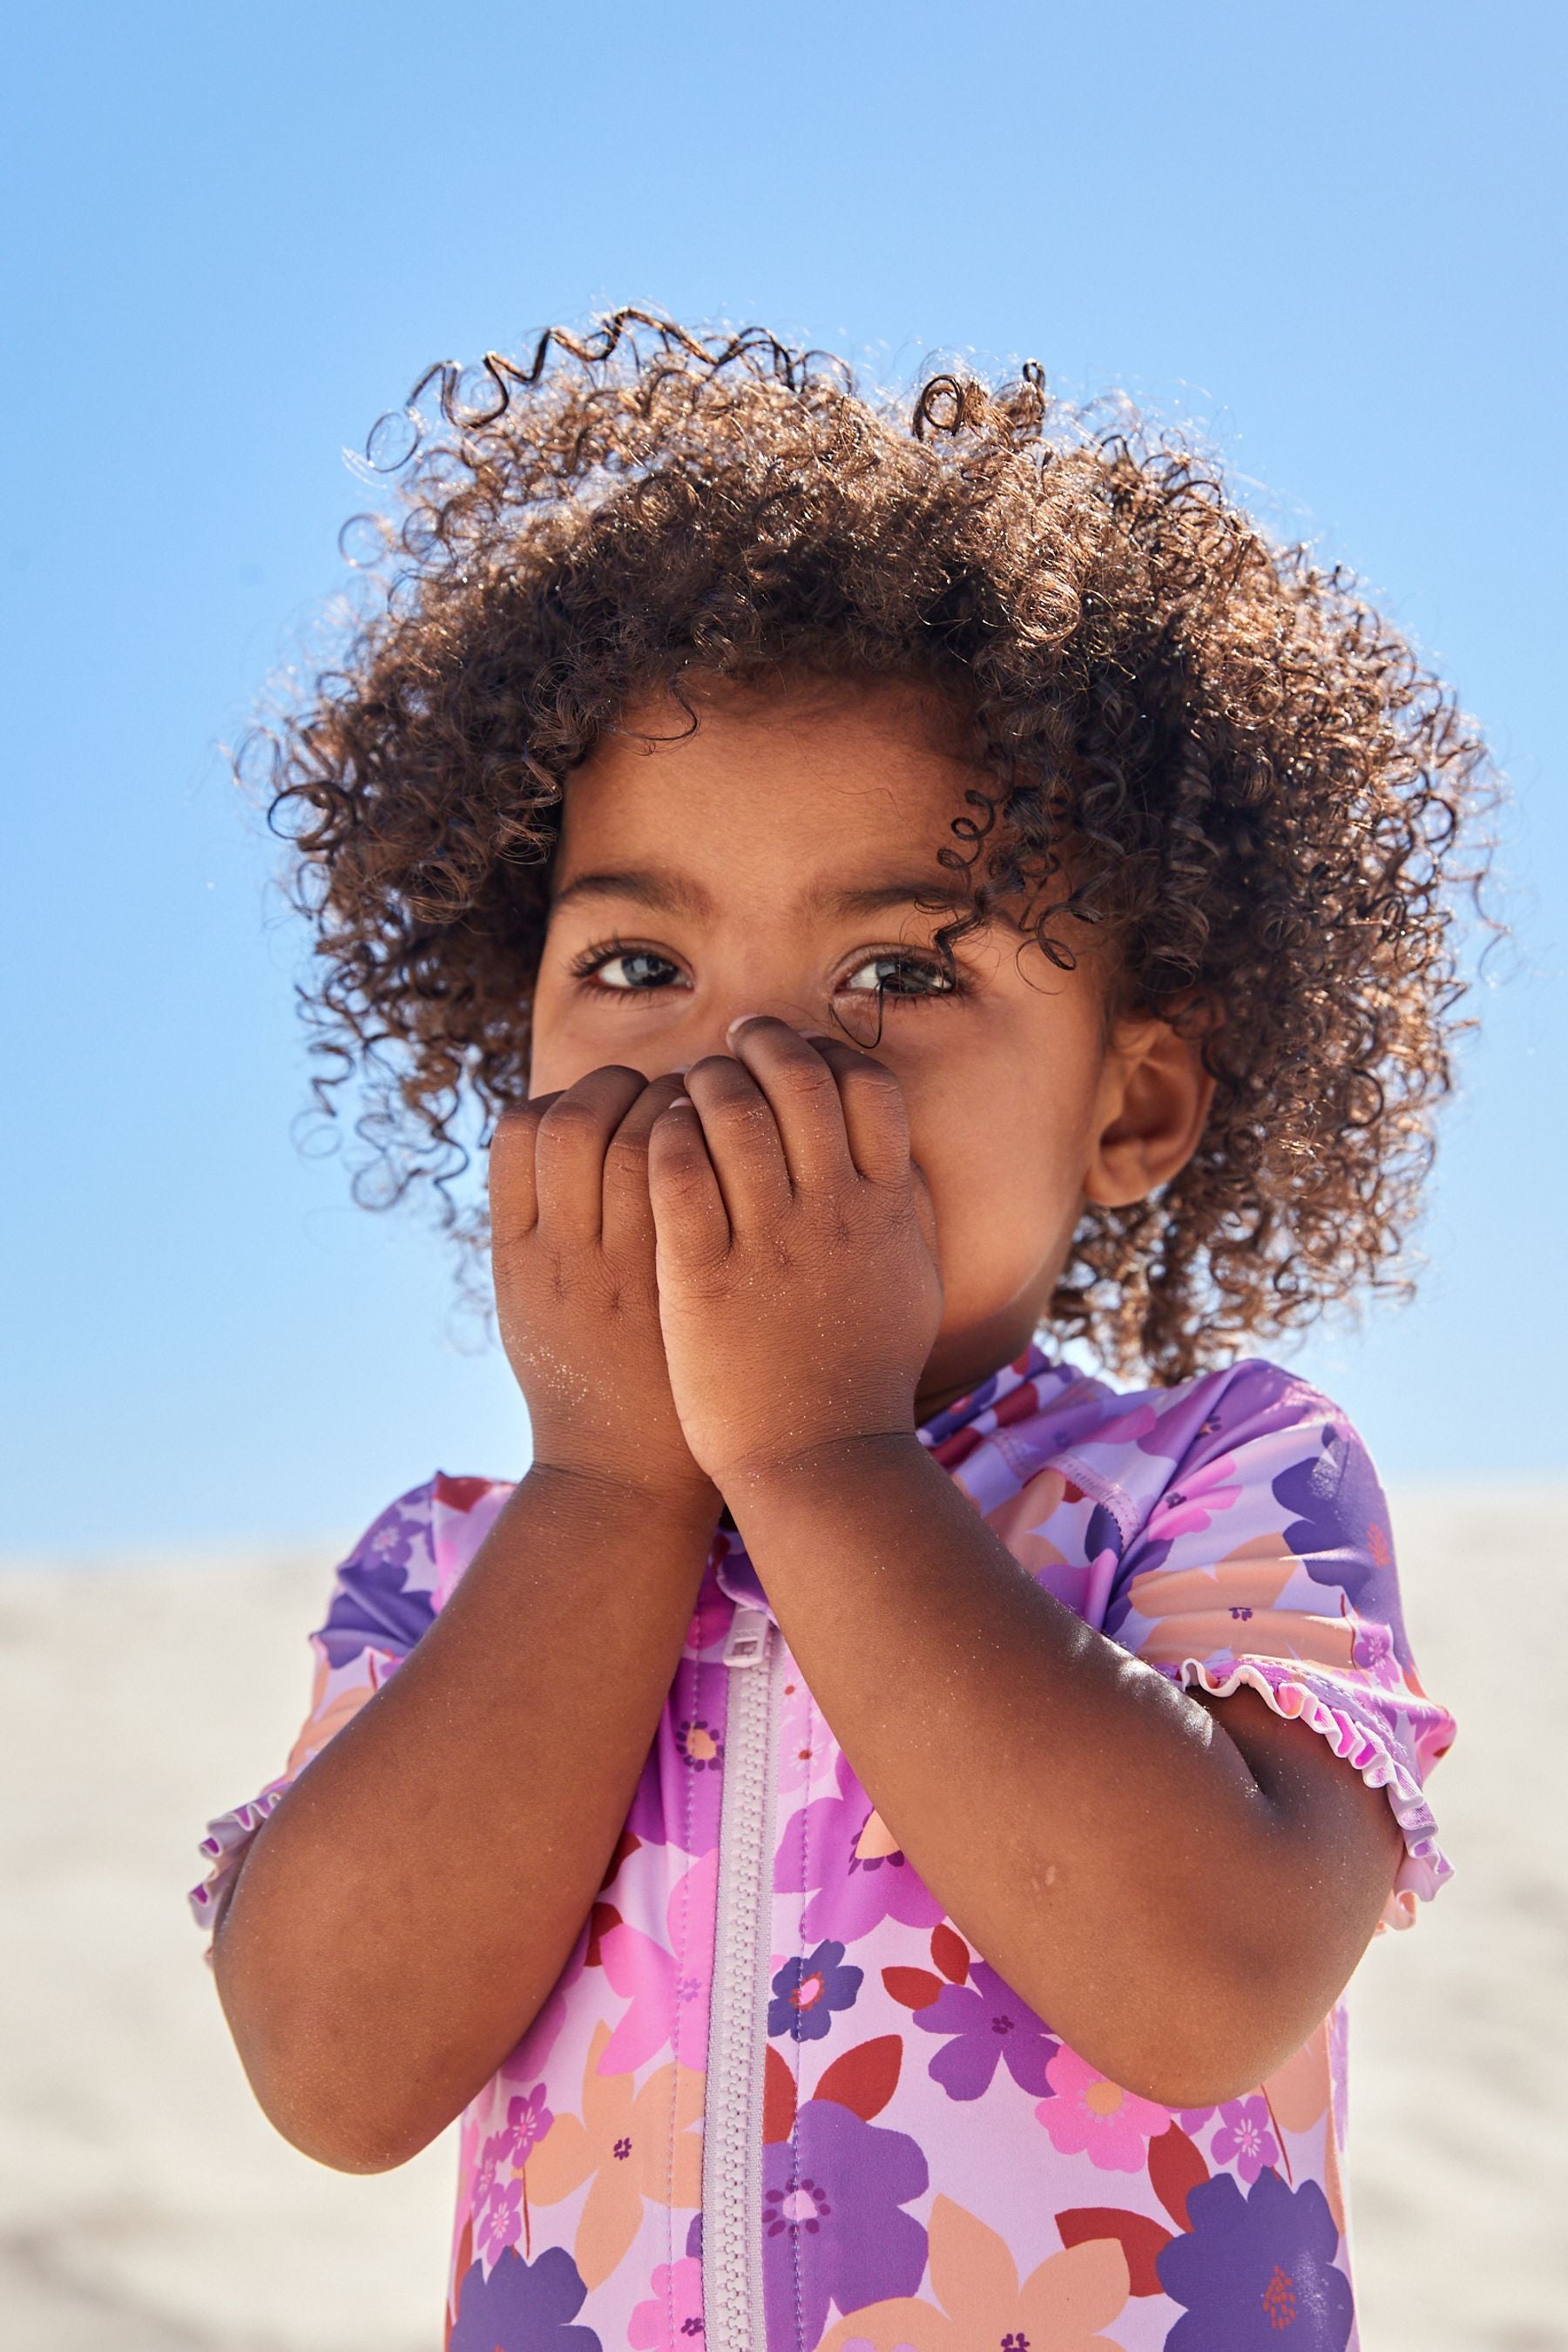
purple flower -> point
(1254, 2269)
(372, 1607)
(528, 2119)
(1340, 1530)
(500, 2224)
(677, 1799)
(806, 1993)
(527, 2306)
(989, 2024)
(856, 1876)
(1245, 2136)
(832, 2227)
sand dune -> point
(146, 2207)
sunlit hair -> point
(1213, 746)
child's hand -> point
(571, 1245)
(798, 1278)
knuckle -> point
(810, 1081)
(515, 1130)
(568, 1120)
(627, 1166)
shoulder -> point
(1253, 1417)
(1251, 1442)
(404, 1567)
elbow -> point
(1196, 2078)
(1216, 2042)
(362, 2145)
(325, 2095)
(336, 2122)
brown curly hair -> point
(1215, 747)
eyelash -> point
(593, 960)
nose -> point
(716, 1033)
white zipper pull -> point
(746, 1643)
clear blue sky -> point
(234, 235)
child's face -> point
(768, 864)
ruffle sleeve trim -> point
(1363, 1744)
(225, 1845)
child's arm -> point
(1182, 1892)
(405, 1910)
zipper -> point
(737, 2027)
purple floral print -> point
(374, 1606)
(1228, 1531)
(498, 2223)
(842, 1854)
(807, 1992)
(1255, 2269)
(989, 2026)
(526, 2307)
(833, 2224)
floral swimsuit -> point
(776, 2101)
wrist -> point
(820, 1472)
(686, 1500)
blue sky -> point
(1334, 236)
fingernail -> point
(741, 1020)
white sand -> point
(145, 2206)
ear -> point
(1155, 1099)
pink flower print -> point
(1091, 2115)
(666, 2002)
(671, 2318)
(840, 1852)
(494, 2154)
(1246, 2137)
(798, 1740)
(499, 2225)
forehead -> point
(777, 785)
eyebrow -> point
(667, 894)
(675, 893)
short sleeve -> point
(1268, 1561)
(384, 1598)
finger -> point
(743, 1140)
(801, 1093)
(875, 1117)
(689, 1213)
(626, 1216)
(569, 1149)
(514, 1199)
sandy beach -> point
(146, 2206)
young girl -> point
(872, 1831)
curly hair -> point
(1196, 739)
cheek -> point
(561, 1049)
(1004, 1154)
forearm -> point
(1098, 1835)
(421, 1886)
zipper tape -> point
(737, 2035)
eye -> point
(627, 972)
(896, 973)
